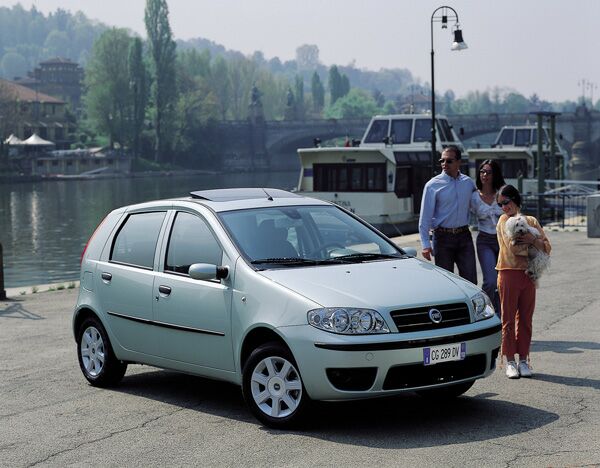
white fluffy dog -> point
(539, 261)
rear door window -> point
(191, 241)
(135, 243)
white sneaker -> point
(524, 369)
(511, 370)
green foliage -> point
(318, 93)
(335, 84)
(108, 98)
(356, 104)
(164, 94)
(139, 83)
(299, 92)
(35, 37)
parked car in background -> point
(292, 298)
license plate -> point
(445, 353)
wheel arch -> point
(256, 337)
(80, 315)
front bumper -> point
(338, 367)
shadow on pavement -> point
(570, 381)
(564, 347)
(16, 310)
(405, 421)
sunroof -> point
(242, 194)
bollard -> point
(2, 291)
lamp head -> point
(459, 43)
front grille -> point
(419, 375)
(417, 319)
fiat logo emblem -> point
(435, 315)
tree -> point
(335, 84)
(307, 57)
(13, 64)
(345, 85)
(162, 51)
(108, 98)
(357, 104)
(221, 85)
(318, 93)
(139, 84)
(299, 88)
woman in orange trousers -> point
(516, 289)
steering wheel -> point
(324, 249)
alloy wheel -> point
(92, 351)
(276, 387)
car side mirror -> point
(411, 251)
(206, 271)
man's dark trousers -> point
(456, 248)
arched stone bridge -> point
(272, 145)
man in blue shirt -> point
(445, 211)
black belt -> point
(457, 230)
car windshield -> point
(304, 236)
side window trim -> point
(168, 231)
(121, 225)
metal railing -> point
(559, 209)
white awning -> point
(36, 140)
(13, 140)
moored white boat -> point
(381, 180)
(515, 150)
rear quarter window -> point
(135, 243)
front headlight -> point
(348, 321)
(483, 306)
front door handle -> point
(106, 277)
(166, 290)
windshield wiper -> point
(284, 261)
(364, 257)
(294, 261)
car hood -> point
(381, 284)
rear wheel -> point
(96, 358)
(273, 388)
(446, 393)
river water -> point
(44, 226)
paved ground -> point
(50, 416)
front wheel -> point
(446, 393)
(273, 388)
(96, 358)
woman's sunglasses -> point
(484, 171)
(504, 202)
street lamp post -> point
(441, 15)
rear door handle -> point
(166, 290)
(106, 277)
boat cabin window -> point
(377, 132)
(402, 130)
(354, 177)
(522, 137)
(507, 137)
(512, 168)
(422, 130)
(447, 129)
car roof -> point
(219, 200)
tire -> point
(96, 357)
(446, 393)
(273, 388)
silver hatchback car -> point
(294, 299)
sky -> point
(548, 47)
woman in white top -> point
(483, 203)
